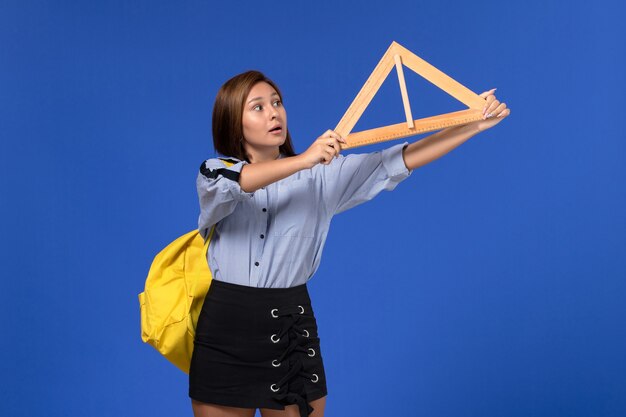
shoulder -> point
(227, 167)
(215, 163)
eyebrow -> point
(259, 98)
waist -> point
(253, 296)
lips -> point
(276, 129)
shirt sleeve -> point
(218, 192)
(356, 178)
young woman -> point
(256, 342)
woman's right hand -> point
(324, 149)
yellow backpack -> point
(177, 283)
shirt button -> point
(256, 264)
(264, 209)
(262, 236)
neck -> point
(260, 156)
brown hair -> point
(228, 111)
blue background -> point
(489, 283)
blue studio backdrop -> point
(489, 283)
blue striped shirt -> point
(273, 237)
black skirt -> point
(257, 348)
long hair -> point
(228, 112)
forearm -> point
(436, 145)
(260, 174)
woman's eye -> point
(257, 107)
(277, 103)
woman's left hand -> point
(493, 111)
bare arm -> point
(436, 145)
(258, 175)
(326, 147)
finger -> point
(330, 134)
(334, 140)
(491, 107)
(488, 102)
(326, 134)
(333, 148)
(505, 113)
(488, 96)
(491, 111)
(337, 148)
(497, 111)
(338, 137)
(486, 93)
(335, 135)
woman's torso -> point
(274, 237)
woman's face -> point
(264, 118)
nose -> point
(273, 112)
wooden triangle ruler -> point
(398, 56)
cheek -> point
(251, 125)
(284, 114)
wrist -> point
(471, 128)
(301, 162)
